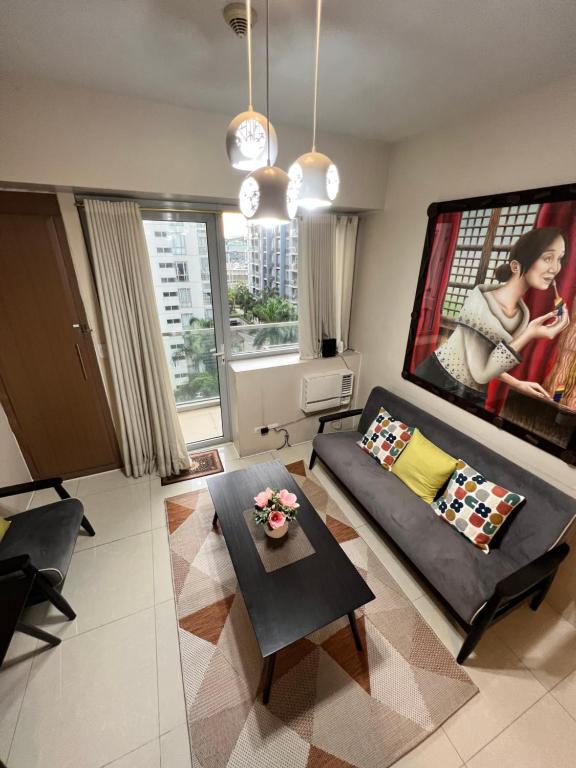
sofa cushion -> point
(386, 438)
(547, 513)
(460, 572)
(4, 525)
(424, 467)
(475, 506)
(47, 534)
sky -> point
(234, 225)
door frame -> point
(216, 257)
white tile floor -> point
(111, 694)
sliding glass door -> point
(183, 249)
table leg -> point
(354, 628)
(270, 662)
(214, 519)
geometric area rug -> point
(330, 707)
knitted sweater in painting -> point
(478, 349)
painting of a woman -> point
(494, 325)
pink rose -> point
(276, 519)
(263, 498)
(287, 499)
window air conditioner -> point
(321, 391)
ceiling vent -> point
(235, 17)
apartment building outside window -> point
(262, 272)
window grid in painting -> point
(467, 258)
(466, 272)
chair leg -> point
(312, 460)
(87, 526)
(472, 640)
(538, 598)
(39, 634)
(54, 596)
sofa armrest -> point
(337, 417)
(36, 485)
(529, 575)
(14, 564)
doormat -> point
(330, 707)
(201, 463)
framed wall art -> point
(494, 322)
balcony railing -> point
(263, 337)
(197, 356)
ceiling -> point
(388, 69)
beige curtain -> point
(148, 429)
(326, 255)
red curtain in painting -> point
(539, 356)
(443, 247)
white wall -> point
(267, 391)
(526, 143)
(58, 135)
(13, 468)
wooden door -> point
(50, 384)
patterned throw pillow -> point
(475, 506)
(386, 438)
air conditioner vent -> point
(347, 382)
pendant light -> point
(267, 195)
(313, 174)
(249, 133)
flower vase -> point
(276, 533)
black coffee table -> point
(291, 602)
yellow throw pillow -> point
(423, 467)
(4, 525)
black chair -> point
(40, 543)
(17, 578)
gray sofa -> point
(477, 588)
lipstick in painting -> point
(558, 301)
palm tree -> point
(276, 336)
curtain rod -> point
(168, 210)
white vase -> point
(276, 533)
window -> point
(171, 307)
(164, 250)
(167, 279)
(165, 264)
(185, 297)
(484, 241)
(173, 321)
(262, 275)
(181, 268)
(180, 375)
(169, 294)
(187, 318)
(160, 234)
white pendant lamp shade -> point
(267, 197)
(247, 139)
(314, 175)
(316, 179)
(247, 142)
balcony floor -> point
(201, 423)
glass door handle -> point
(219, 354)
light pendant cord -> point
(249, 20)
(318, 19)
(268, 77)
